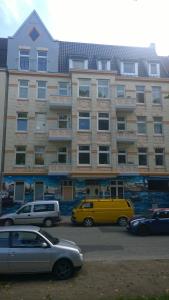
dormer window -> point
(154, 69)
(80, 64)
(129, 68)
(103, 65)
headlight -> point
(135, 223)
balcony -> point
(128, 136)
(60, 134)
(128, 168)
(59, 169)
(125, 104)
(60, 102)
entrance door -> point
(39, 190)
(67, 189)
(19, 191)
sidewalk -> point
(65, 220)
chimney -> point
(153, 46)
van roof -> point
(104, 199)
(42, 202)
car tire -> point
(88, 222)
(48, 222)
(122, 221)
(143, 230)
(63, 269)
(8, 222)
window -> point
(103, 88)
(39, 155)
(129, 68)
(25, 210)
(41, 89)
(40, 121)
(103, 121)
(23, 89)
(141, 125)
(121, 123)
(64, 121)
(140, 94)
(20, 155)
(154, 69)
(64, 89)
(156, 94)
(24, 59)
(104, 155)
(87, 205)
(79, 64)
(159, 156)
(42, 60)
(142, 156)
(158, 126)
(62, 155)
(22, 121)
(39, 190)
(84, 121)
(103, 65)
(120, 91)
(4, 240)
(84, 87)
(117, 189)
(19, 191)
(25, 239)
(122, 157)
(43, 207)
(84, 155)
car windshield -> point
(52, 239)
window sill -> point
(101, 98)
(40, 131)
(41, 100)
(22, 99)
(84, 130)
(84, 98)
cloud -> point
(12, 11)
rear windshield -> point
(43, 207)
(52, 239)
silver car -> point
(29, 249)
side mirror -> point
(44, 245)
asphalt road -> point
(113, 243)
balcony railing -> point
(56, 102)
(127, 168)
(127, 136)
(60, 134)
(59, 169)
(125, 104)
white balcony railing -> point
(60, 134)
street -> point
(113, 243)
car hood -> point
(6, 216)
(137, 218)
(69, 244)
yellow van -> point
(98, 211)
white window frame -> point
(84, 118)
(64, 91)
(44, 88)
(142, 121)
(65, 153)
(103, 86)
(103, 65)
(158, 121)
(160, 153)
(22, 118)
(103, 118)
(40, 151)
(20, 152)
(66, 120)
(140, 90)
(44, 57)
(24, 56)
(25, 87)
(73, 60)
(122, 88)
(122, 67)
(157, 74)
(84, 85)
(103, 152)
(122, 153)
(123, 122)
(42, 121)
(142, 151)
(157, 88)
(84, 151)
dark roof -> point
(115, 54)
(3, 52)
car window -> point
(43, 207)
(4, 239)
(87, 205)
(25, 209)
(24, 239)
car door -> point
(160, 222)
(27, 253)
(4, 248)
(23, 215)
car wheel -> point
(143, 230)
(122, 221)
(88, 222)
(48, 223)
(8, 222)
(63, 269)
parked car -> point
(43, 212)
(6, 198)
(29, 249)
(99, 211)
(157, 222)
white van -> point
(43, 212)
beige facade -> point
(60, 133)
(3, 78)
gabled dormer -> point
(32, 48)
(78, 62)
(103, 64)
(129, 67)
(154, 68)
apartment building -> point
(85, 120)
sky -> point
(112, 22)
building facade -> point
(85, 120)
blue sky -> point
(114, 22)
